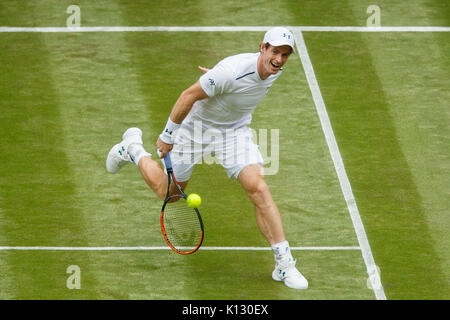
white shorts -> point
(194, 144)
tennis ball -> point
(194, 200)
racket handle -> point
(168, 162)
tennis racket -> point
(182, 226)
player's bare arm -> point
(180, 110)
(185, 102)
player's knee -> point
(258, 189)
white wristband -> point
(168, 134)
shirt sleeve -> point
(217, 81)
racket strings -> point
(181, 224)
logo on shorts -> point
(211, 82)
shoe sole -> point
(113, 168)
(131, 132)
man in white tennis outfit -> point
(220, 105)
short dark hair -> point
(267, 45)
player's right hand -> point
(163, 148)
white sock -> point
(136, 151)
(282, 252)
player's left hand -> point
(203, 69)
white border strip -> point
(375, 29)
(141, 248)
(221, 28)
(372, 269)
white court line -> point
(141, 248)
(221, 28)
(372, 269)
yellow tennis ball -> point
(194, 200)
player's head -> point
(277, 46)
(279, 36)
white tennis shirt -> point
(234, 88)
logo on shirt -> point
(211, 82)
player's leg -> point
(242, 160)
(269, 221)
(155, 177)
(267, 215)
(131, 149)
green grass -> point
(390, 122)
(166, 275)
(34, 13)
(108, 210)
(65, 98)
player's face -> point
(272, 59)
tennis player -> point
(221, 103)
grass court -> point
(67, 97)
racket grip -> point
(168, 162)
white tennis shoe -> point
(118, 155)
(288, 273)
